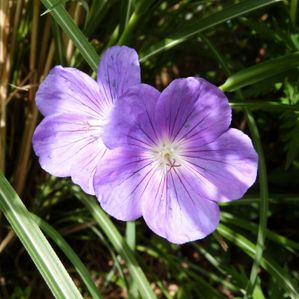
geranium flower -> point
(173, 158)
(68, 140)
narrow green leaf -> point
(267, 263)
(141, 8)
(125, 12)
(131, 234)
(192, 271)
(131, 240)
(263, 105)
(37, 246)
(196, 27)
(279, 239)
(126, 34)
(118, 243)
(59, 2)
(58, 44)
(263, 205)
(98, 10)
(260, 72)
(71, 255)
(67, 24)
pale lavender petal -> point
(118, 71)
(70, 145)
(121, 181)
(131, 120)
(174, 210)
(193, 108)
(68, 90)
(129, 185)
(224, 169)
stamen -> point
(167, 155)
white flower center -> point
(167, 155)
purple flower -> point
(172, 158)
(68, 140)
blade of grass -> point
(97, 12)
(277, 199)
(67, 24)
(281, 240)
(59, 47)
(260, 71)
(131, 240)
(86, 221)
(118, 243)
(58, 2)
(125, 12)
(190, 270)
(263, 205)
(141, 8)
(264, 105)
(70, 254)
(131, 234)
(196, 27)
(267, 263)
(37, 246)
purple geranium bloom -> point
(68, 140)
(172, 158)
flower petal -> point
(128, 182)
(120, 183)
(119, 70)
(175, 211)
(68, 90)
(193, 108)
(131, 119)
(69, 145)
(224, 169)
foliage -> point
(250, 49)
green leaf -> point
(59, 2)
(196, 27)
(119, 244)
(59, 47)
(67, 24)
(131, 240)
(37, 246)
(131, 234)
(71, 255)
(140, 9)
(125, 12)
(264, 196)
(290, 245)
(260, 71)
(263, 105)
(267, 263)
(98, 10)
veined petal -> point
(68, 90)
(224, 169)
(118, 71)
(121, 181)
(192, 109)
(131, 120)
(70, 145)
(175, 211)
